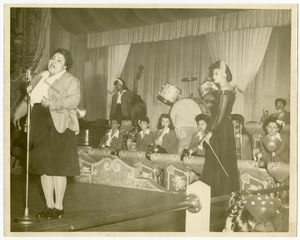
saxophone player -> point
(166, 137)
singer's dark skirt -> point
(51, 153)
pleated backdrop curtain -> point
(273, 79)
(95, 83)
(117, 56)
(43, 50)
(172, 60)
(194, 26)
(60, 38)
(243, 51)
(166, 61)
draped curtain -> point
(166, 61)
(42, 53)
(117, 56)
(194, 26)
(243, 51)
(95, 83)
(273, 79)
(60, 38)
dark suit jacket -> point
(124, 104)
(116, 143)
(281, 155)
(169, 142)
(143, 144)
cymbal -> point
(188, 79)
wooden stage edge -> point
(86, 202)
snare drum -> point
(169, 94)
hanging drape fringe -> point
(192, 27)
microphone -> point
(28, 77)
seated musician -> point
(113, 138)
(196, 145)
(272, 128)
(242, 138)
(166, 137)
(144, 137)
(280, 114)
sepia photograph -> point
(150, 120)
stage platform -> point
(85, 203)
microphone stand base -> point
(26, 220)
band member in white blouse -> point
(145, 136)
(120, 100)
(113, 138)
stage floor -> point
(86, 202)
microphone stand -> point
(26, 219)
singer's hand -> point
(16, 121)
(46, 102)
(158, 142)
(29, 88)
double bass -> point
(136, 106)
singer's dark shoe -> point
(45, 212)
(55, 214)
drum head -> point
(185, 110)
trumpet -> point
(153, 148)
(80, 112)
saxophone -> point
(188, 151)
(153, 147)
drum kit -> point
(184, 110)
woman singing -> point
(53, 148)
(221, 137)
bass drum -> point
(184, 111)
